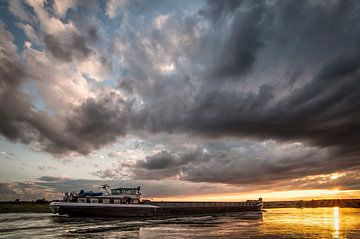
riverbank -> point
(17, 207)
(43, 207)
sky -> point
(191, 100)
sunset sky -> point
(192, 100)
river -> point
(273, 223)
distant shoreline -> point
(43, 207)
(28, 207)
(352, 203)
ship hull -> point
(144, 210)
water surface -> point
(274, 223)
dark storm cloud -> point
(166, 165)
(92, 125)
(324, 111)
(51, 179)
(12, 100)
(98, 122)
(93, 34)
(310, 114)
(258, 164)
(238, 52)
(65, 49)
(159, 161)
(318, 110)
(164, 160)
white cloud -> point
(68, 86)
(167, 68)
(62, 6)
(160, 21)
(49, 24)
(113, 7)
(27, 44)
(94, 68)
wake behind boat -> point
(126, 202)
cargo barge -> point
(125, 202)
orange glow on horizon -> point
(269, 196)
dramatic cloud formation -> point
(227, 92)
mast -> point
(106, 188)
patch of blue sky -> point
(36, 100)
(10, 21)
(111, 81)
(118, 71)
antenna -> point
(106, 188)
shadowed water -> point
(273, 223)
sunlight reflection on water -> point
(336, 223)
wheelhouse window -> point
(120, 191)
(94, 200)
(82, 200)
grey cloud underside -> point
(51, 179)
(66, 51)
(242, 165)
(53, 188)
(13, 103)
(237, 52)
(322, 111)
(100, 121)
(282, 70)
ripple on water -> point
(274, 223)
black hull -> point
(147, 212)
